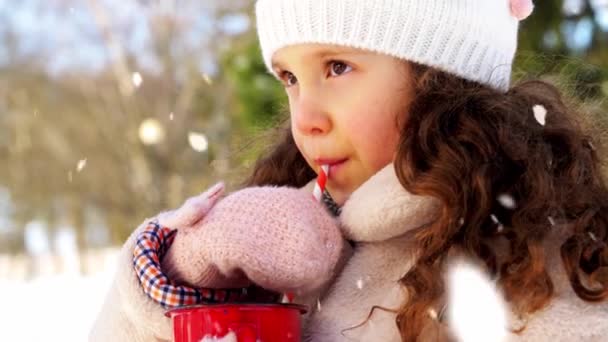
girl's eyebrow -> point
(322, 54)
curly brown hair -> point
(467, 144)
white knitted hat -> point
(474, 39)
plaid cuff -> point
(152, 243)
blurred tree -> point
(552, 28)
(259, 96)
(126, 141)
(568, 39)
(260, 102)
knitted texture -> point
(276, 237)
(152, 244)
(474, 39)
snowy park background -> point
(113, 110)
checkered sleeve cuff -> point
(151, 245)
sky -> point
(68, 32)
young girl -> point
(432, 154)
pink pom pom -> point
(521, 9)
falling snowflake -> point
(207, 79)
(461, 222)
(540, 114)
(500, 227)
(477, 310)
(151, 132)
(137, 79)
(171, 116)
(551, 221)
(432, 313)
(318, 305)
(81, 164)
(507, 201)
(285, 299)
(360, 284)
(198, 141)
(592, 236)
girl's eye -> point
(338, 68)
(288, 78)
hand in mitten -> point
(131, 311)
(278, 238)
(157, 236)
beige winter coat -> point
(380, 217)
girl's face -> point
(344, 105)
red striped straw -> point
(317, 193)
(320, 184)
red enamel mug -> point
(246, 322)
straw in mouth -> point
(320, 184)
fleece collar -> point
(381, 209)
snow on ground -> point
(53, 307)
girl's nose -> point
(310, 117)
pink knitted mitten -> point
(278, 238)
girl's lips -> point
(335, 167)
(327, 161)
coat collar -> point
(381, 209)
